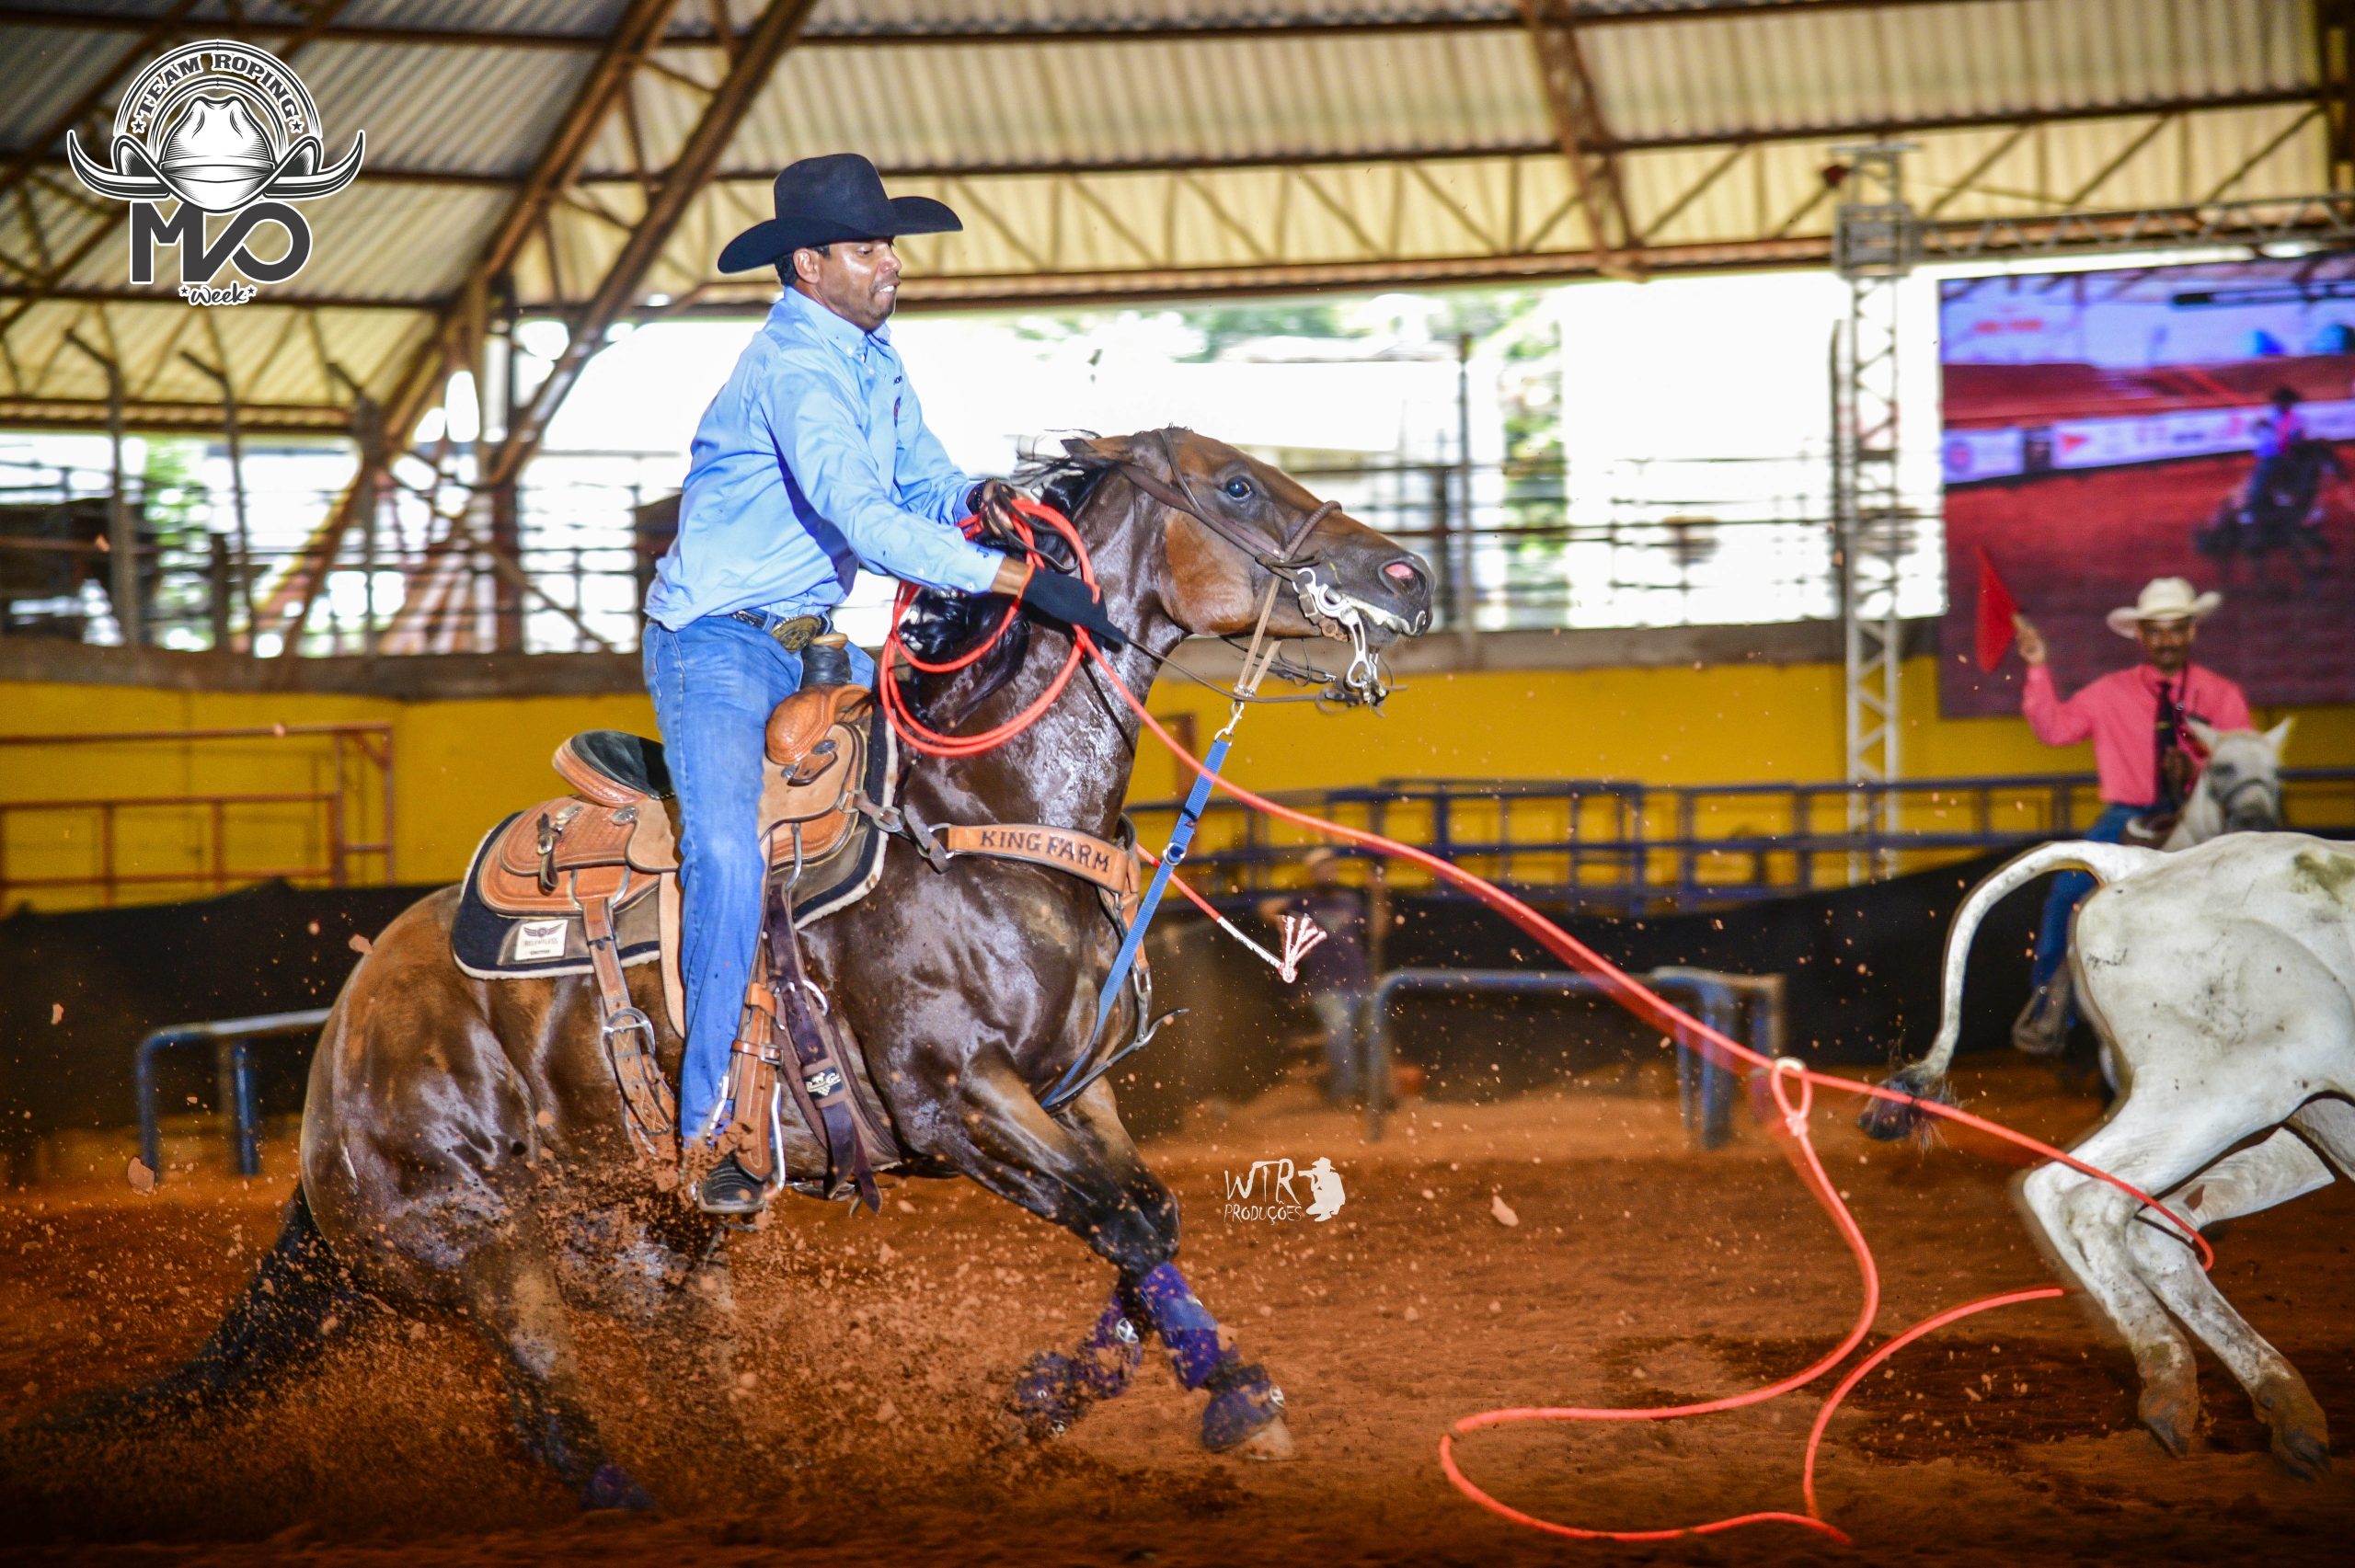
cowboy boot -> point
(737, 1185)
(730, 1190)
(2043, 1027)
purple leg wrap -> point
(1108, 1357)
(1054, 1390)
(1184, 1324)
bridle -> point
(1333, 613)
(1283, 563)
(2272, 788)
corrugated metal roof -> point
(1727, 74)
(474, 110)
(976, 106)
(268, 348)
(1349, 145)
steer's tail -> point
(298, 1296)
(1926, 1078)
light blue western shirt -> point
(812, 461)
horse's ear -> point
(2279, 736)
(2206, 734)
(1099, 449)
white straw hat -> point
(2164, 598)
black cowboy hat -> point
(821, 201)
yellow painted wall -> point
(459, 765)
(1717, 725)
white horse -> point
(2240, 789)
(2222, 978)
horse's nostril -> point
(1403, 572)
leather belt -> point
(794, 633)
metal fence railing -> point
(332, 827)
(1629, 847)
(1533, 544)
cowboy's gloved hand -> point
(992, 500)
(1067, 599)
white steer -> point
(2222, 978)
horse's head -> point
(2243, 774)
(1227, 527)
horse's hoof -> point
(610, 1486)
(1273, 1442)
(1246, 1414)
(1046, 1398)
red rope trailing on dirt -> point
(1638, 998)
(1642, 1001)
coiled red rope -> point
(1785, 1077)
(931, 742)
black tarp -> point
(79, 991)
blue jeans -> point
(1342, 1013)
(714, 683)
(2069, 890)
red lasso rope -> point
(1639, 1000)
(932, 742)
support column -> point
(1873, 247)
(122, 537)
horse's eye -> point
(1238, 487)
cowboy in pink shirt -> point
(2143, 751)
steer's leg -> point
(2246, 1182)
(2150, 1144)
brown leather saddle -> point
(588, 883)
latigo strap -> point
(629, 1037)
(819, 1082)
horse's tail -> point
(281, 1322)
(1925, 1078)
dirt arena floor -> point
(879, 1346)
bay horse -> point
(464, 1146)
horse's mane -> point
(1066, 482)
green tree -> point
(174, 508)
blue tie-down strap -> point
(1076, 1076)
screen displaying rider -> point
(2143, 751)
(811, 461)
(2278, 435)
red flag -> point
(1996, 608)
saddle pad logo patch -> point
(539, 939)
